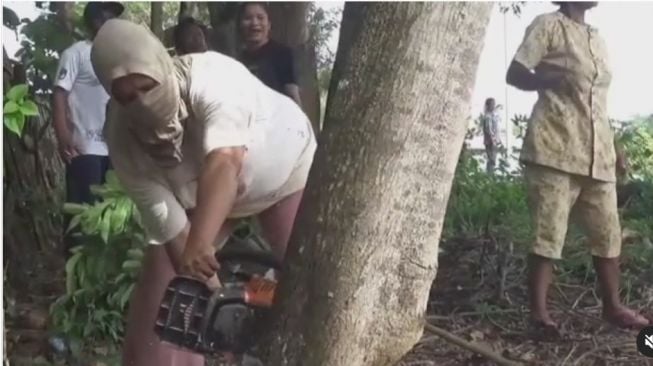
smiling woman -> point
(269, 60)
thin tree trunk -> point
(156, 18)
(65, 14)
(350, 27)
(223, 24)
(189, 9)
(290, 27)
(364, 253)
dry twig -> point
(476, 348)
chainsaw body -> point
(212, 322)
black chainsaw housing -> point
(193, 317)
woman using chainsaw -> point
(196, 141)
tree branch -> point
(476, 348)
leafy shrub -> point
(637, 140)
(482, 204)
(17, 108)
(102, 271)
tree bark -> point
(223, 24)
(189, 9)
(364, 253)
(290, 27)
(156, 18)
(65, 13)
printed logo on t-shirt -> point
(95, 135)
(63, 73)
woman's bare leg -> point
(277, 222)
(142, 346)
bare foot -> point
(626, 318)
(543, 327)
(543, 319)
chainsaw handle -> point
(244, 255)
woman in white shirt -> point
(201, 135)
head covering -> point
(122, 48)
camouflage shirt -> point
(569, 128)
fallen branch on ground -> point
(476, 348)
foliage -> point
(45, 38)
(140, 12)
(513, 6)
(18, 106)
(9, 18)
(480, 202)
(322, 25)
(42, 41)
(102, 271)
(636, 137)
(482, 205)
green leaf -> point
(105, 227)
(74, 222)
(135, 253)
(17, 92)
(15, 122)
(10, 107)
(29, 108)
(74, 208)
(112, 179)
(126, 295)
(9, 18)
(131, 264)
(120, 215)
(70, 272)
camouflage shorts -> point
(554, 196)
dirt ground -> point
(478, 296)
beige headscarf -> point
(121, 48)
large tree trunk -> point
(364, 253)
(33, 192)
(290, 27)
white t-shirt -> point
(87, 99)
(229, 107)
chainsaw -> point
(215, 322)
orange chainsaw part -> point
(259, 291)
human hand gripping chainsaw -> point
(223, 319)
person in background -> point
(78, 104)
(569, 154)
(490, 121)
(270, 61)
(190, 37)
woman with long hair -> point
(270, 61)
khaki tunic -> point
(569, 128)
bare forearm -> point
(217, 189)
(59, 115)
